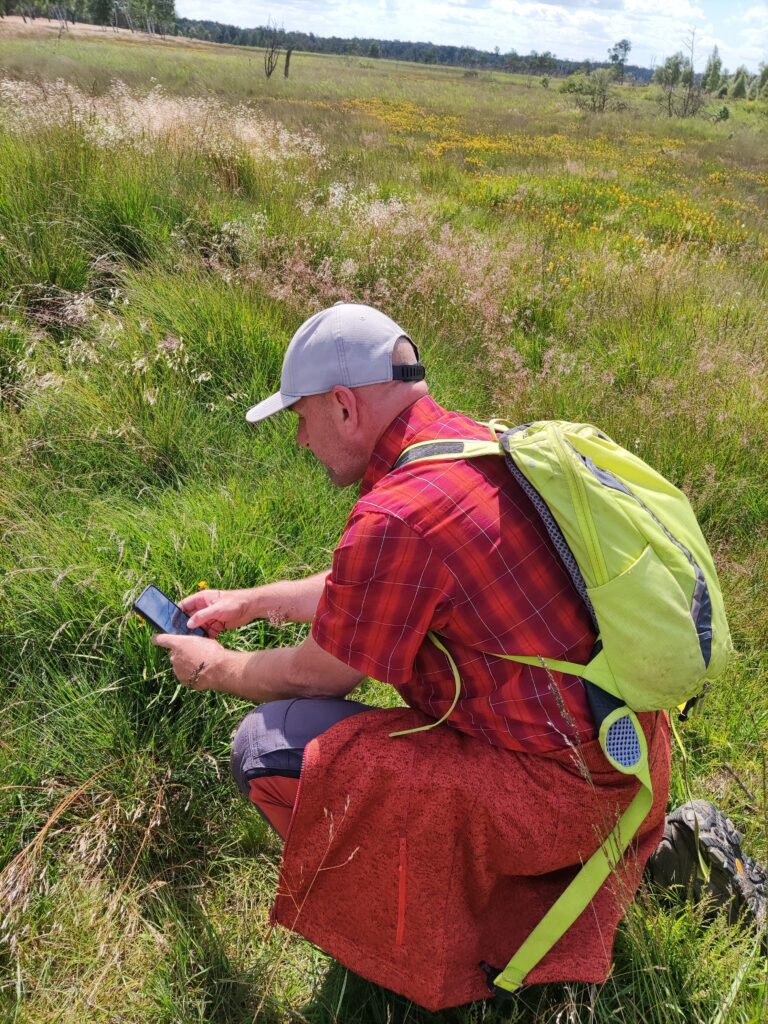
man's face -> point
(320, 430)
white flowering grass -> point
(121, 117)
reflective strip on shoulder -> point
(432, 451)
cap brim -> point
(270, 406)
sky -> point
(574, 29)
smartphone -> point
(162, 614)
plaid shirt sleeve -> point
(387, 587)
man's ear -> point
(345, 408)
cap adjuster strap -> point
(409, 372)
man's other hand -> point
(197, 662)
(217, 610)
(279, 673)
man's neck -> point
(397, 435)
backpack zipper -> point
(584, 516)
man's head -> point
(347, 373)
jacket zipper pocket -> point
(401, 891)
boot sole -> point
(737, 883)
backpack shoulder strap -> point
(605, 861)
(457, 448)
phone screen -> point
(163, 614)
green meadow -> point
(168, 217)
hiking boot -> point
(737, 884)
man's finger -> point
(164, 640)
(206, 619)
(202, 619)
(193, 602)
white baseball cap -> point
(346, 344)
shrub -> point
(681, 95)
(738, 88)
(593, 92)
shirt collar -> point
(401, 432)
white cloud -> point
(752, 46)
(575, 29)
(757, 14)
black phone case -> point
(155, 625)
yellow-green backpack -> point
(631, 544)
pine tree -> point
(738, 87)
(713, 72)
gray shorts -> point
(271, 738)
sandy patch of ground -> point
(14, 26)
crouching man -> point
(415, 853)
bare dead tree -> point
(272, 49)
(61, 19)
(693, 97)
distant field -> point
(168, 217)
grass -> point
(158, 245)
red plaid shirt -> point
(456, 547)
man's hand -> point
(275, 674)
(284, 601)
(199, 663)
(217, 610)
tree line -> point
(154, 16)
(717, 81)
(160, 16)
(533, 63)
(683, 91)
